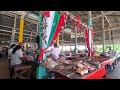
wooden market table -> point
(109, 63)
(71, 57)
(97, 74)
(71, 74)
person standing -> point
(10, 53)
(10, 50)
(55, 52)
(17, 57)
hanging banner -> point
(46, 13)
(78, 23)
(59, 28)
(54, 20)
(90, 36)
(54, 26)
(90, 42)
(87, 40)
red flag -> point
(46, 13)
(65, 17)
(72, 22)
(87, 40)
(78, 23)
(42, 51)
(59, 27)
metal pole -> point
(90, 37)
(113, 41)
(62, 41)
(110, 37)
(13, 31)
(75, 41)
(103, 32)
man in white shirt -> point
(55, 52)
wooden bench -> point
(23, 70)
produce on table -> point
(68, 62)
(49, 63)
(60, 67)
(82, 71)
(65, 61)
(83, 67)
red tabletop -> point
(98, 74)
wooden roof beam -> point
(107, 19)
(104, 14)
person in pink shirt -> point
(55, 52)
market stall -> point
(88, 68)
(66, 71)
(76, 69)
(109, 62)
(98, 74)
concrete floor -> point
(4, 71)
(116, 73)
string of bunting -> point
(59, 27)
(76, 20)
(45, 14)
